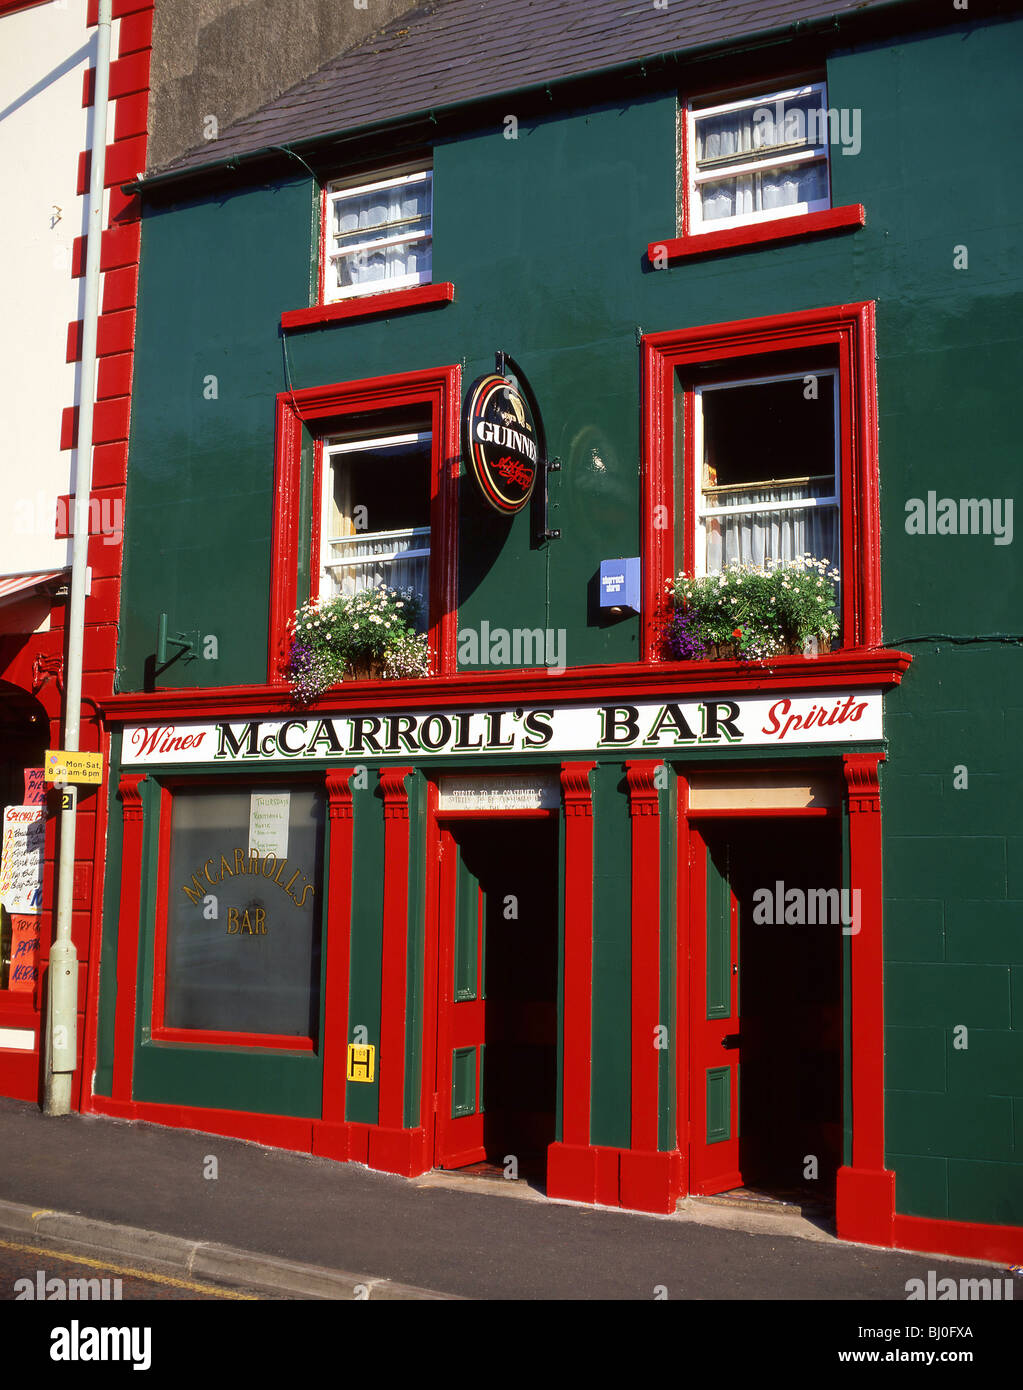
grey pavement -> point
(312, 1228)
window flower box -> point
(369, 635)
(753, 612)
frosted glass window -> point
(244, 911)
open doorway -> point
(497, 1001)
(24, 734)
(767, 939)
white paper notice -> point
(269, 813)
(493, 791)
(21, 859)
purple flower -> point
(682, 637)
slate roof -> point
(445, 52)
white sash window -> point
(758, 158)
(379, 233)
(767, 480)
(375, 511)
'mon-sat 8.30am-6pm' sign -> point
(754, 722)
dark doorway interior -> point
(24, 734)
(516, 864)
(790, 1003)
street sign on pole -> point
(67, 766)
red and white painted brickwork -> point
(47, 56)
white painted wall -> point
(43, 128)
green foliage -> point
(346, 637)
(759, 610)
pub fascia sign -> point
(754, 722)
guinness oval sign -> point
(501, 440)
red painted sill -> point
(369, 306)
(754, 233)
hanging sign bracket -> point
(186, 642)
(542, 530)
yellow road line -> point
(130, 1273)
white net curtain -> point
(768, 452)
(376, 515)
(400, 559)
(382, 233)
(751, 134)
(780, 533)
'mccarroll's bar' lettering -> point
(248, 862)
(753, 721)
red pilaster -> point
(646, 921)
(865, 1199)
(680, 1042)
(128, 934)
(330, 1136)
(648, 1180)
(431, 970)
(393, 1004)
(572, 1164)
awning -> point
(18, 586)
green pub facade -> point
(530, 334)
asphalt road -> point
(454, 1240)
(32, 1272)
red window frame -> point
(372, 303)
(206, 1037)
(378, 173)
(439, 390)
(846, 329)
(729, 235)
(690, 106)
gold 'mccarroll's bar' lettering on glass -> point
(249, 862)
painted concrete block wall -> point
(949, 350)
(47, 53)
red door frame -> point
(571, 1161)
(865, 1198)
(468, 1136)
(440, 950)
(865, 1193)
(699, 1026)
(696, 918)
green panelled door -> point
(461, 1011)
(715, 1039)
